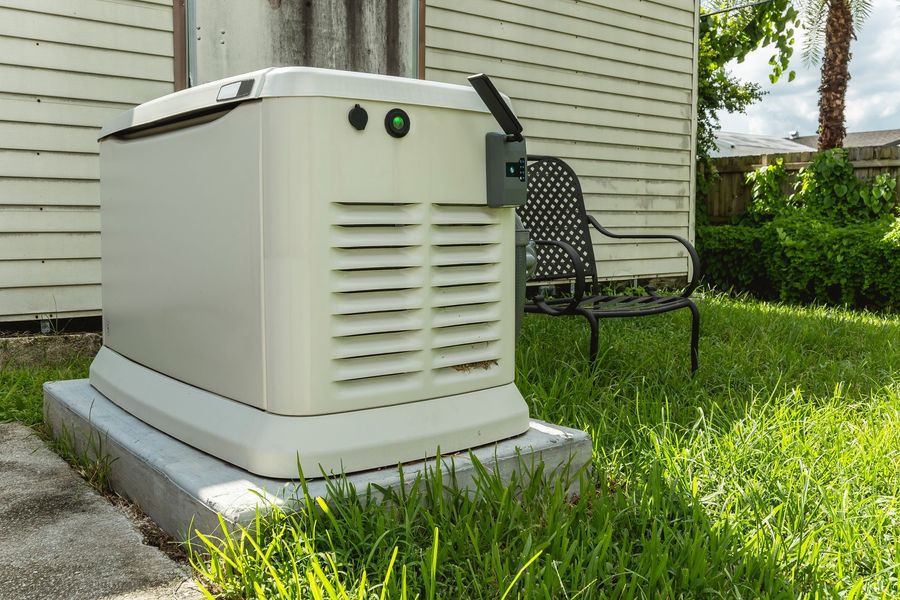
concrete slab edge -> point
(183, 489)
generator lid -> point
(292, 81)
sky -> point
(873, 95)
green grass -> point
(21, 393)
(774, 473)
(22, 400)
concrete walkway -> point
(61, 539)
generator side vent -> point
(466, 272)
(415, 298)
(378, 294)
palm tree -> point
(832, 22)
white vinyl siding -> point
(66, 66)
(607, 85)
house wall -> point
(68, 66)
(607, 85)
(233, 37)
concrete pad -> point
(60, 539)
(184, 489)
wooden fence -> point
(729, 196)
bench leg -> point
(595, 334)
(695, 335)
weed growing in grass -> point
(348, 546)
(88, 458)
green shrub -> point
(728, 257)
(835, 240)
(826, 188)
(829, 188)
(802, 258)
(767, 199)
(816, 260)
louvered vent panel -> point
(415, 297)
(466, 289)
(378, 296)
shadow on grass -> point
(747, 350)
(701, 488)
(782, 445)
(524, 538)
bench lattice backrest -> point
(554, 210)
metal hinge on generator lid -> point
(506, 158)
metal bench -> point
(561, 229)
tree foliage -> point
(814, 15)
(830, 26)
(729, 36)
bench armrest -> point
(692, 252)
(579, 279)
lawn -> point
(774, 473)
(21, 394)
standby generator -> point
(314, 265)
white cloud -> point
(873, 95)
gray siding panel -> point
(133, 13)
(38, 246)
(70, 66)
(43, 27)
(32, 191)
(607, 85)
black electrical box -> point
(506, 170)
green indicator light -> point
(396, 122)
